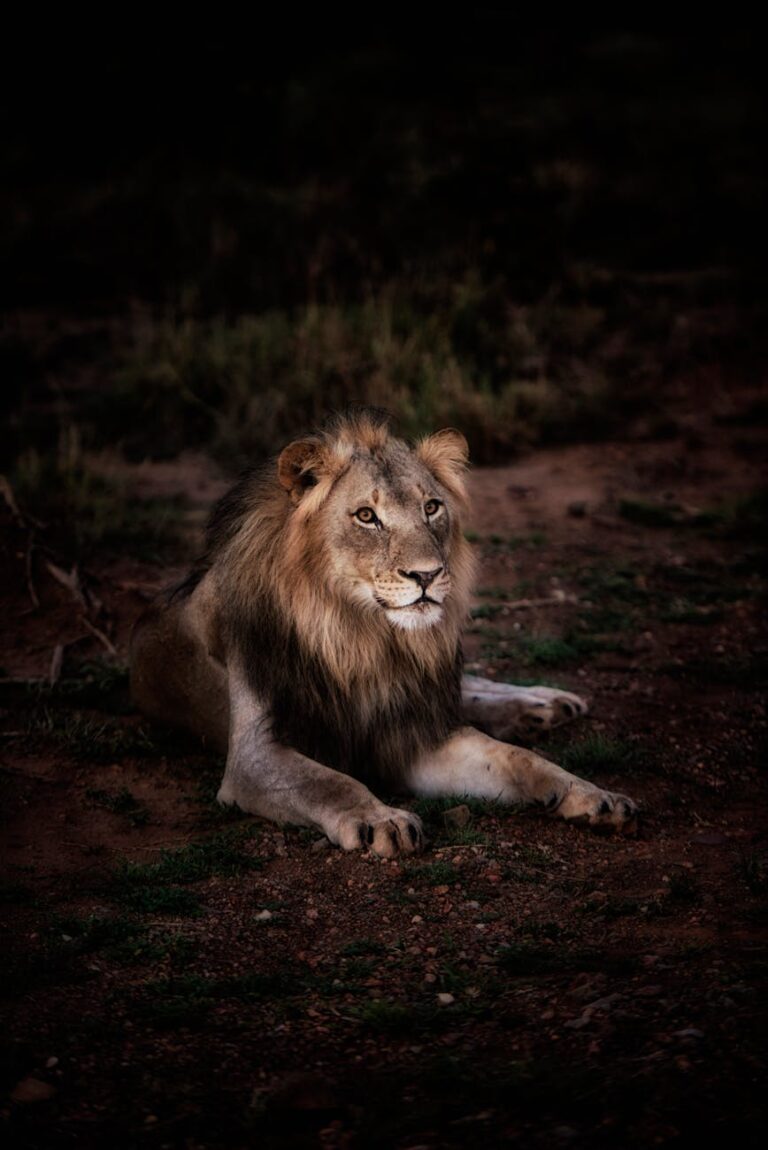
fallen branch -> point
(28, 573)
(107, 643)
(70, 580)
(7, 493)
(22, 517)
(140, 589)
(57, 661)
(560, 600)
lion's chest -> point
(375, 734)
(367, 725)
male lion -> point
(318, 641)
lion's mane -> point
(341, 684)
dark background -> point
(544, 235)
(124, 157)
(464, 170)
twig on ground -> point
(140, 589)
(106, 643)
(70, 580)
(23, 517)
(28, 572)
(560, 600)
(57, 661)
(29, 524)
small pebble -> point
(31, 1090)
(459, 817)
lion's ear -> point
(446, 454)
(297, 466)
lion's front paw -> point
(386, 831)
(587, 804)
(543, 708)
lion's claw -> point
(386, 831)
(585, 803)
(508, 712)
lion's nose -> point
(423, 578)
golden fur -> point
(277, 537)
(318, 640)
(341, 683)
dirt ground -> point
(176, 977)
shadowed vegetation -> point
(456, 244)
(159, 887)
(120, 802)
(530, 959)
(186, 1000)
(539, 237)
(98, 683)
(752, 868)
(595, 754)
(221, 855)
(437, 873)
(85, 737)
(86, 508)
(398, 1018)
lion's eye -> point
(366, 515)
(431, 507)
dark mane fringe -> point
(322, 719)
(372, 699)
(258, 483)
(224, 521)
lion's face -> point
(384, 522)
(390, 533)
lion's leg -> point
(506, 711)
(473, 764)
(268, 779)
(174, 678)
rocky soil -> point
(176, 977)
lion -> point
(318, 642)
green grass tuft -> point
(145, 948)
(96, 931)
(385, 1017)
(164, 900)
(84, 737)
(438, 873)
(187, 1000)
(120, 802)
(87, 511)
(486, 611)
(683, 610)
(220, 855)
(597, 753)
(753, 869)
(361, 947)
(647, 514)
(98, 683)
(524, 959)
(619, 583)
(548, 651)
